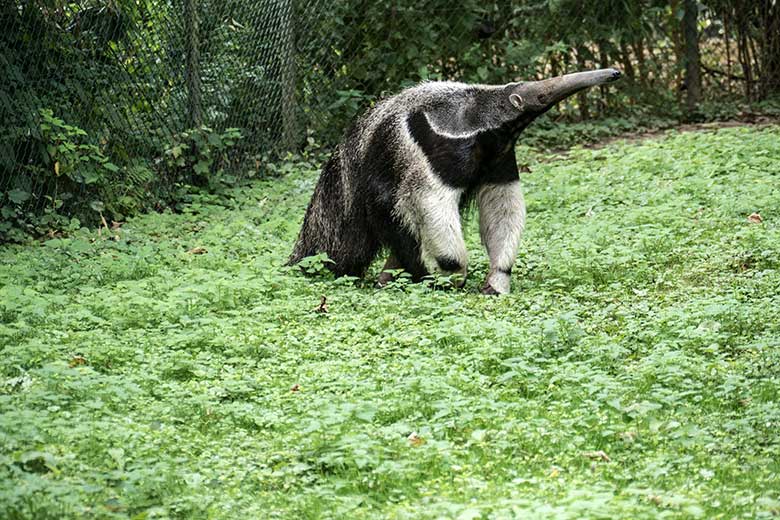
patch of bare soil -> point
(745, 119)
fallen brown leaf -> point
(596, 455)
(415, 440)
(197, 251)
(77, 360)
(755, 218)
(655, 499)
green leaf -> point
(18, 196)
(202, 167)
(215, 140)
(89, 175)
(366, 413)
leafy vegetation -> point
(129, 82)
(171, 368)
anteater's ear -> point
(516, 101)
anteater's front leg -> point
(442, 248)
(501, 222)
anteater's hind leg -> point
(386, 276)
(406, 251)
(404, 248)
(354, 249)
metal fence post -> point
(193, 64)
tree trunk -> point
(639, 52)
(744, 59)
(692, 57)
(770, 79)
(756, 63)
(603, 63)
(582, 96)
(678, 50)
(728, 51)
(625, 58)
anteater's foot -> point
(455, 270)
(488, 289)
(388, 274)
(497, 282)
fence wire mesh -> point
(116, 106)
(95, 94)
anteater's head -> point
(532, 98)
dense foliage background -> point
(115, 106)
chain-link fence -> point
(98, 98)
(116, 106)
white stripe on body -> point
(451, 135)
(501, 224)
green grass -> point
(140, 380)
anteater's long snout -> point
(557, 89)
(590, 78)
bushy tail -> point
(329, 227)
(323, 214)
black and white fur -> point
(402, 173)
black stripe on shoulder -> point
(453, 159)
(501, 170)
